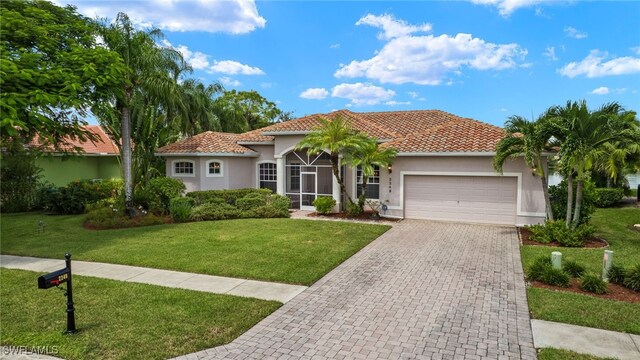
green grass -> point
(282, 250)
(119, 320)
(557, 354)
(584, 310)
(613, 224)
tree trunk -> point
(125, 136)
(609, 184)
(576, 214)
(569, 199)
(363, 195)
(547, 200)
(336, 172)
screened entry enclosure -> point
(307, 177)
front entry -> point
(308, 176)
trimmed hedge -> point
(552, 231)
(606, 197)
(228, 196)
(73, 198)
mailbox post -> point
(55, 279)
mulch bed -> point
(614, 291)
(592, 242)
(343, 215)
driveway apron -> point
(423, 290)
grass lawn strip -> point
(557, 354)
(118, 320)
(280, 250)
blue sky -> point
(484, 59)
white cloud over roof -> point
(362, 94)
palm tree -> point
(335, 137)
(528, 139)
(148, 67)
(367, 156)
(582, 134)
(613, 159)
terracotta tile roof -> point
(103, 145)
(462, 135)
(207, 142)
(407, 131)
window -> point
(183, 168)
(373, 183)
(268, 176)
(214, 168)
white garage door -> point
(480, 199)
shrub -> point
(558, 195)
(108, 217)
(18, 178)
(324, 204)
(632, 278)
(73, 198)
(541, 270)
(228, 196)
(268, 211)
(160, 191)
(606, 197)
(151, 219)
(251, 201)
(557, 231)
(617, 274)
(593, 283)
(573, 268)
(555, 277)
(537, 268)
(211, 211)
(353, 210)
(180, 208)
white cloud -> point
(394, 103)
(315, 93)
(504, 109)
(550, 52)
(229, 81)
(231, 16)
(200, 61)
(507, 7)
(392, 27)
(602, 90)
(595, 66)
(334, 46)
(428, 59)
(575, 33)
(231, 67)
(362, 94)
(636, 49)
(413, 94)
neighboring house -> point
(443, 170)
(98, 161)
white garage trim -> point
(517, 175)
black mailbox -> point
(53, 279)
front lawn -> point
(282, 250)
(613, 224)
(120, 320)
(557, 354)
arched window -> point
(183, 168)
(268, 176)
(214, 168)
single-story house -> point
(443, 170)
(99, 160)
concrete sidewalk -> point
(585, 340)
(175, 279)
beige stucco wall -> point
(532, 206)
(284, 143)
(237, 173)
(192, 183)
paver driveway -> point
(425, 290)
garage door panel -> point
(461, 198)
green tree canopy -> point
(51, 70)
(241, 111)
